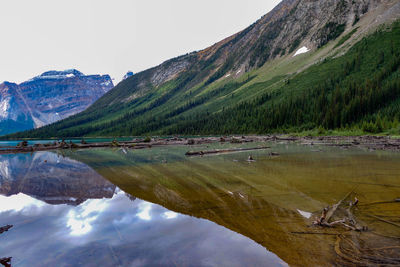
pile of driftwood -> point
(23, 148)
(342, 212)
(352, 247)
(371, 142)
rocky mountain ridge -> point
(255, 68)
(290, 25)
(47, 98)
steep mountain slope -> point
(52, 96)
(13, 114)
(197, 92)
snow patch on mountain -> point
(107, 83)
(56, 75)
(301, 51)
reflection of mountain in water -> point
(51, 178)
(212, 189)
(264, 200)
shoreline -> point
(369, 142)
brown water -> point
(240, 213)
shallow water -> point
(158, 207)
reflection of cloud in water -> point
(170, 215)
(19, 202)
(144, 211)
(99, 231)
(80, 219)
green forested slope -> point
(357, 90)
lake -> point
(157, 207)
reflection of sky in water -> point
(144, 211)
(18, 203)
(118, 231)
(80, 219)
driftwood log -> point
(5, 228)
(6, 261)
(220, 151)
(348, 219)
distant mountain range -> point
(306, 65)
(47, 98)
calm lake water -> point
(156, 207)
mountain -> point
(329, 64)
(13, 114)
(127, 75)
(47, 98)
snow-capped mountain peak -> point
(47, 98)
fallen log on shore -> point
(220, 151)
(372, 143)
(40, 147)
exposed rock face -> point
(52, 178)
(289, 26)
(291, 23)
(14, 115)
(47, 98)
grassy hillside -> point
(358, 91)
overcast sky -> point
(113, 36)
